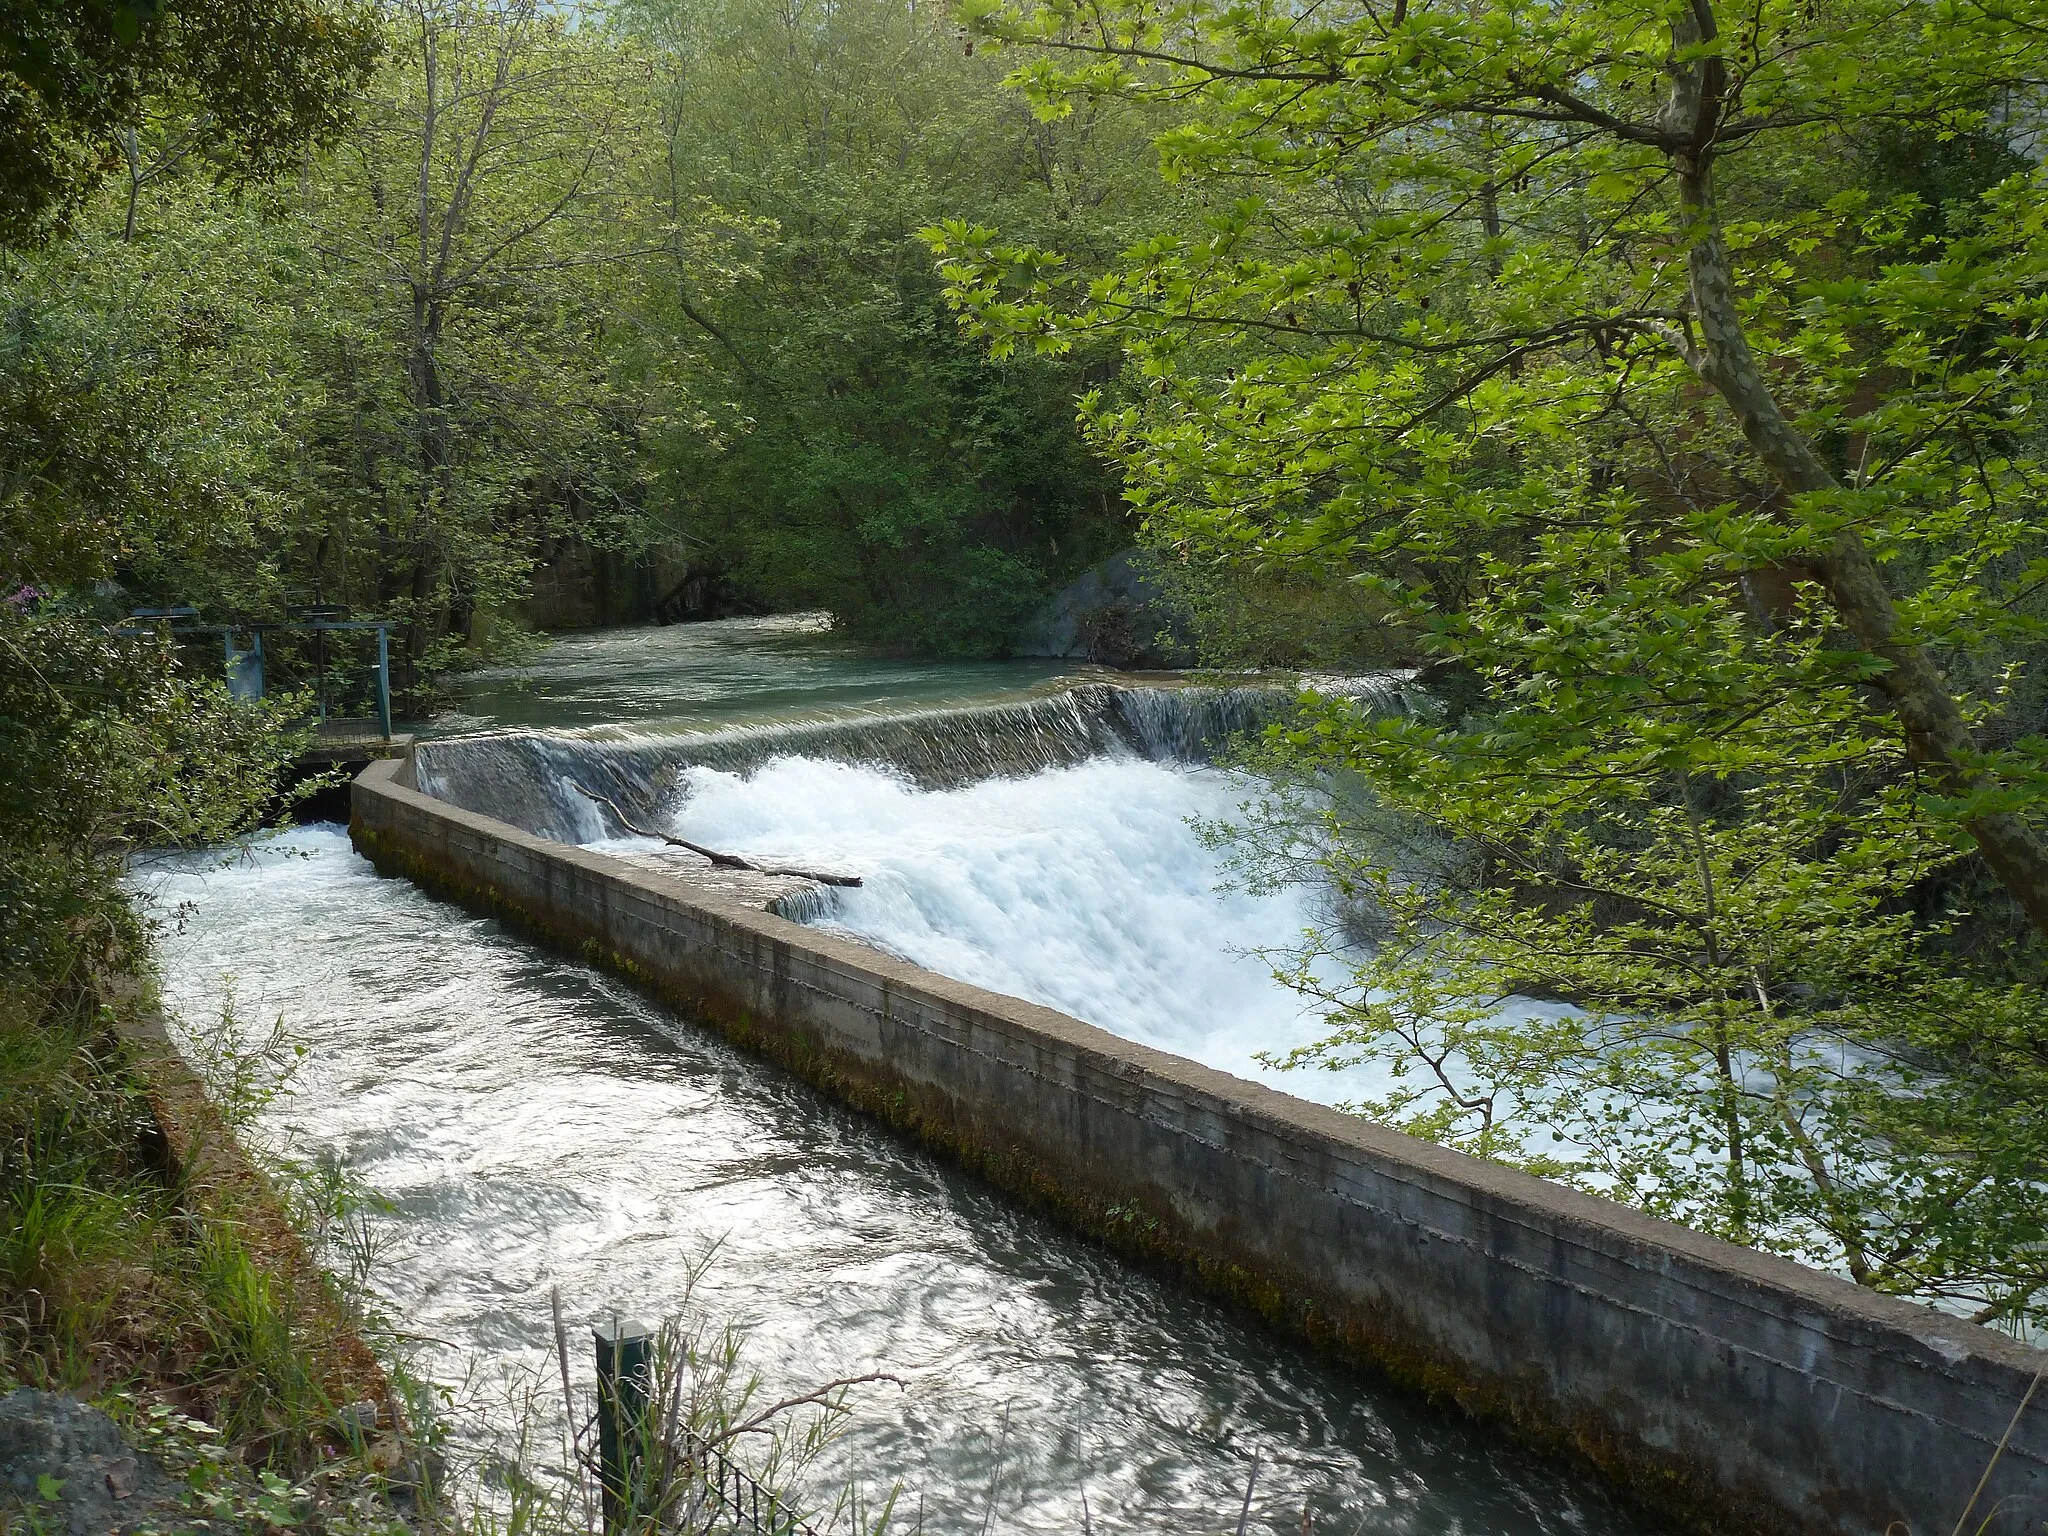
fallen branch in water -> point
(722, 860)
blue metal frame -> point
(241, 670)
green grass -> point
(113, 1279)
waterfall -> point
(531, 778)
(1088, 888)
(1049, 849)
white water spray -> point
(1083, 888)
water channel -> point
(534, 1124)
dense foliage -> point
(126, 446)
(267, 77)
(639, 280)
(853, 451)
(1666, 375)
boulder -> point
(1116, 613)
(68, 1463)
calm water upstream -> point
(735, 671)
(535, 1124)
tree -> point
(268, 78)
(479, 229)
(1665, 377)
(1480, 270)
(846, 447)
(1696, 991)
(127, 442)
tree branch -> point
(722, 860)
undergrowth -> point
(127, 1276)
(111, 1280)
(118, 1286)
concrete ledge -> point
(1732, 1391)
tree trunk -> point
(1935, 731)
(132, 152)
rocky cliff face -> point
(1117, 614)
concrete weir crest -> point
(1730, 1390)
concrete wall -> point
(1733, 1391)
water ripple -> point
(537, 1125)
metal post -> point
(384, 681)
(625, 1378)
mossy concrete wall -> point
(1732, 1391)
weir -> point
(530, 779)
(1732, 1390)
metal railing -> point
(245, 665)
(750, 1507)
(719, 1486)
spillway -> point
(1088, 888)
(532, 779)
(532, 1124)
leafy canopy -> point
(1666, 373)
(270, 78)
(1475, 279)
(851, 450)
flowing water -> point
(788, 667)
(1087, 888)
(534, 1125)
(533, 779)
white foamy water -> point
(1087, 889)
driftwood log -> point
(722, 860)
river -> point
(534, 1124)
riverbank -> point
(151, 1265)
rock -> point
(358, 1418)
(67, 1462)
(1114, 614)
(120, 1478)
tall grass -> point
(110, 1279)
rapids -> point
(530, 1123)
(1087, 888)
